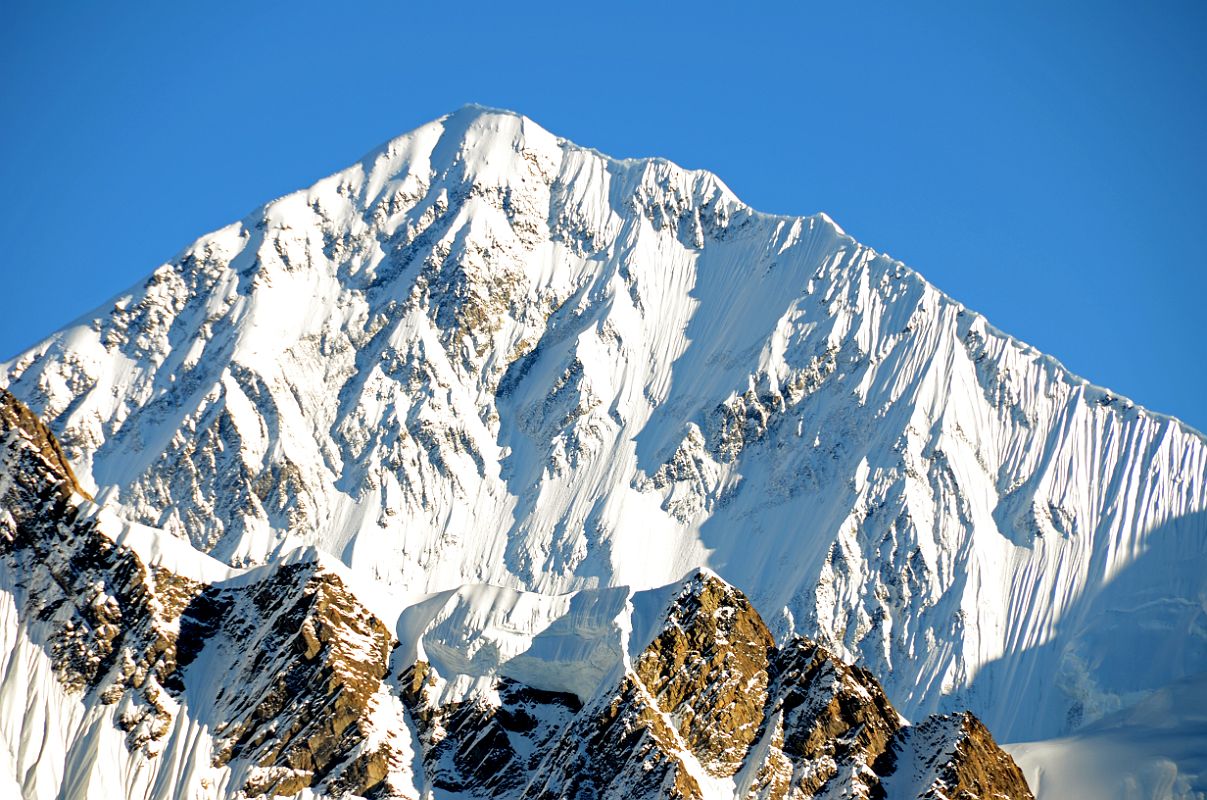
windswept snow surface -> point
(484, 355)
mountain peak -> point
(483, 355)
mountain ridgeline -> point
(483, 396)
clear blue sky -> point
(1043, 162)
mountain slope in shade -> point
(126, 677)
(484, 355)
(1155, 749)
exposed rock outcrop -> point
(294, 665)
(711, 708)
(300, 664)
(91, 603)
(950, 757)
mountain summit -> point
(483, 355)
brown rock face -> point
(835, 718)
(973, 766)
(625, 747)
(305, 661)
(16, 419)
(707, 669)
(89, 603)
(714, 668)
(314, 658)
(710, 697)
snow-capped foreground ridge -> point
(485, 355)
(126, 677)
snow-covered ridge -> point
(483, 355)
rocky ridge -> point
(290, 666)
(710, 708)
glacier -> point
(495, 373)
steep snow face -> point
(486, 355)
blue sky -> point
(1044, 163)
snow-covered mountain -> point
(136, 667)
(486, 357)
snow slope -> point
(1156, 749)
(132, 669)
(485, 355)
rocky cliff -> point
(283, 665)
(710, 708)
